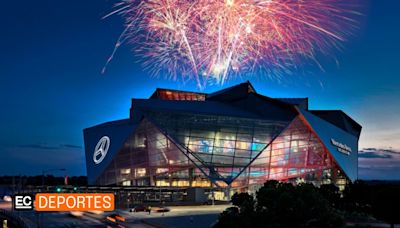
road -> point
(178, 217)
(182, 216)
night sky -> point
(51, 86)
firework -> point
(214, 40)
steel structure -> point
(231, 138)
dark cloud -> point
(379, 164)
(366, 149)
(391, 151)
(38, 146)
(50, 147)
(71, 146)
(31, 159)
(373, 155)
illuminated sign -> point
(65, 202)
(74, 202)
(342, 148)
(101, 149)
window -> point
(162, 170)
(180, 183)
(162, 183)
(140, 172)
(125, 171)
(140, 141)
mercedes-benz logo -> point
(101, 149)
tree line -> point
(279, 205)
(49, 180)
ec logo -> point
(101, 149)
(23, 202)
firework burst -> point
(214, 40)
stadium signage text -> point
(341, 147)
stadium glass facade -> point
(234, 138)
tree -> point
(244, 201)
(281, 205)
(241, 214)
(286, 205)
(230, 217)
(385, 203)
(331, 193)
(357, 197)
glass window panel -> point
(219, 159)
(140, 172)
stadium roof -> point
(242, 100)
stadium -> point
(234, 139)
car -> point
(95, 212)
(7, 198)
(139, 208)
(115, 218)
(76, 213)
(161, 209)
